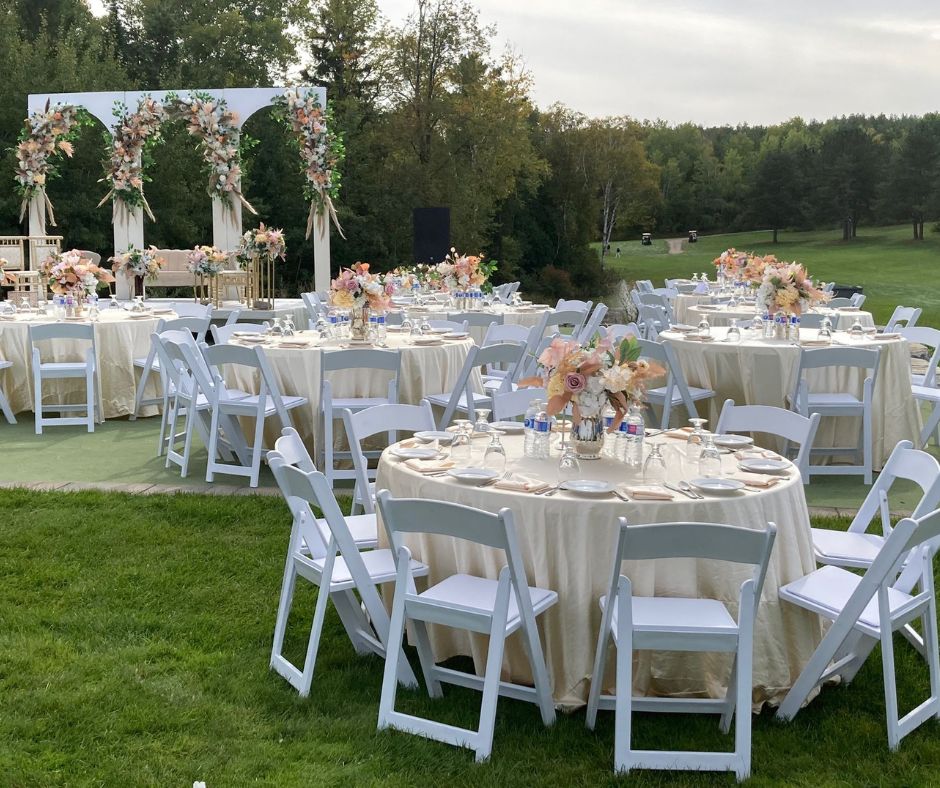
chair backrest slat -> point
(707, 541)
(422, 516)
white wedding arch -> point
(128, 222)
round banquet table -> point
(521, 316)
(567, 543)
(685, 301)
(762, 372)
(119, 339)
(425, 369)
(841, 319)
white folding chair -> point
(226, 409)
(655, 299)
(676, 391)
(573, 303)
(652, 320)
(856, 548)
(839, 302)
(151, 364)
(839, 403)
(385, 363)
(449, 325)
(680, 624)
(4, 402)
(496, 608)
(511, 404)
(315, 307)
(857, 299)
(463, 399)
(866, 611)
(644, 285)
(192, 309)
(363, 424)
(786, 424)
(64, 370)
(324, 553)
(554, 322)
(222, 335)
(924, 385)
(593, 323)
(812, 319)
(504, 292)
(476, 319)
(903, 317)
(503, 332)
(290, 447)
(618, 331)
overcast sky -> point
(722, 61)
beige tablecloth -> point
(841, 319)
(567, 543)
(424, 370)
(685, 301)
(119, 340)
(759, 372)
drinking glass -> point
(569, 467)
(461, 452)
(426, 327)
(695, 277)
(406, 324)
(709, 463)
(494, 458)
(654, 469)
(482, 422)
(114, 302)
(825, 330)
(857, 331)
(757, 325)
(693, 446)
(703, 327)
(734, 333)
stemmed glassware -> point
(461, 452)
(569, 466)
(734, 332)
(703, 327)
(709, 463)
(654, 469)
(857, 331)
(825, 330)
(693, 445)
(482, 423)
(494, 458)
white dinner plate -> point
(456, 335)
(472, 475)
(416, 453)
(162, 311)
(685, 329)
(438, 331)
(733, 441)
(431, 435)
(394, 328)
(710, 307)
(139, 315)
(256, 338)
(510, 427)
(588, 487)
(717, 486)
(428, 341)
(361, 342)
(762, 465)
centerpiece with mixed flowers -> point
(145, 263)
(68, 273)
(356, 288)
(460, 272)
(264, 243)
(590, 376)
(788, 288)
(206, 261)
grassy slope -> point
(891, 267)
(134, 648)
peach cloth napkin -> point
(519, 483)
(682, 433)
(759, 481)
(757, 454)
(430, 466)
(649, 493)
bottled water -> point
(780, 325)
(609, 439)
(381, 332)
(635, 431)
(60, 306)
(768, 326)
(333, 319)
(528, 445)
(795, 328)
(541, 442)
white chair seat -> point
(659, 394)
(478, 595)
(677, 614)
(358, 403)
(78, 367)
(833, 400)
(443, 399)
(363, 527)
(917, 379)
(828, 589)
(379, 564)
(846, 547)
(249, 403)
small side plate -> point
(587, 487)
(472, 475)
(717, 486)
(733, 441)
(760, 465)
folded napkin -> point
(757, 481)
(815, 342)
(649, 493)
(430, 466)
(700, 337)
(519, 483)
(681, 327)
(409, 444)
(682, 433)
(292, 344)
(757, 454)
(886, 336)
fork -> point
(491, 482)
(549, 491)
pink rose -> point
(575, 382)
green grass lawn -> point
(134, 650)
(893, 268)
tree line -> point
(431, 115)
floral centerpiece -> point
(786, 287)
(138, 264)
(731, 262)
(206, 261)
(357, 289)
(588, 377)
(460, 272)
(265, 243)
(68, 273)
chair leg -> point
(742, 724)
(393, 650)
(257, 450)
(426, 658)
(37, 400)
(141, 386)
(313, 645)
(5, 408)
(91, 399)
(623, 699)
(494, 665)
(868, 448)
(328, 446)
(283, 609)
(891, 692)
(730, 699)
(213, 443)
(597, 677)
(932, 425)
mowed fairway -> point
(893, 268)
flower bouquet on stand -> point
(588, 377)
(360, 292)
(138, 264)
(205, 263)
(257, 253)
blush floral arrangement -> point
(135, 262)
(68, 273)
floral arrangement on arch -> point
(263, 243)
(6, 278)
(124, 168)
(216, 126)
(68, 273)
(206, 261)
(786, 287)
(138, 262)
(46, 135)
(462, 271)
(321, 151)
(592, 375)
(356, 288)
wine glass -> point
(709, 463)
(569, 467)
(494, 458)
(461, 452)
(482, 422)
(693, 446)
(825, 330)
(857, 331)
(734, 332)
(703, 327)
(654, 469)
